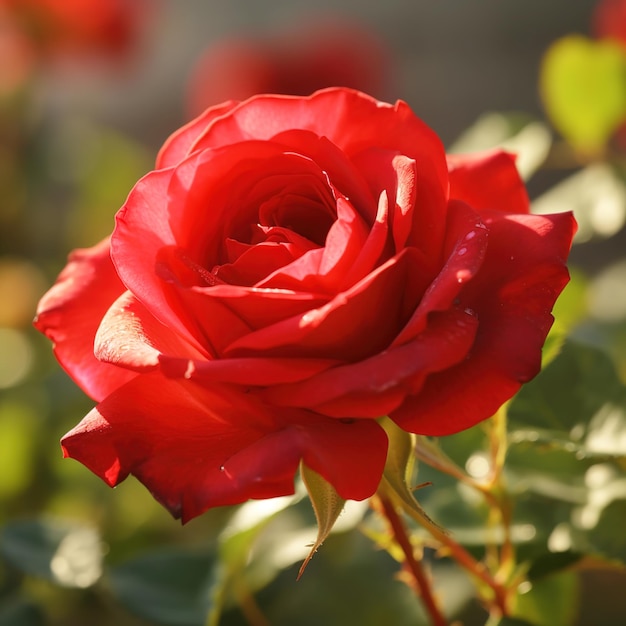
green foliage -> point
(65, 553)
(564, 476)
(327, 505)
(168, 587)
(583, 84)
(597, 196)
(513, 621)
(526, 137)
(550, 601)
(20, 612)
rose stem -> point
(248, 605)
(412, 565)
(478, 569)
(498, 438)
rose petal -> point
(397, 175)
(351, 455)
(70, 313)
(324, 270)
(373, 249)
(354, 122)
(142, 230)
(129, 336)
(341, 171)
(191, 448)
(178, 145)
(522, 274)
(255, 307)
(375, 386)
(247, 372)
(355, 324)
(488, 180)
(465, 247)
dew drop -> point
(470, 235)
(461, 251)
(463, 275)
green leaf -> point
(524, 136)
(552, 562)
(514, 621)
(605, 524)
(570, 309)
(246, 524)
(327, 504)
(18, 438)
(550, 600)
(568, 392)
(399, 471)
(96, 150)
(583, 84)
(597, 196)
(64, 552)
(169, 587)
(19, 612)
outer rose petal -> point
(522, 275)
(129, 336)
(177, 146)
(464, 250)
(375, 386)
(488, 180)
(197, 447)
(70, 313)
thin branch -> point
(422, 585)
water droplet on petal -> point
(461, 251)
(463, 275)
(470, 235)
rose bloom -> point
(292, 270)
(297, 61)
(17, 54)
(75, 26)
(608, 20)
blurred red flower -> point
(17, 55)
(77, 26)
(609, 20)
(321, 53)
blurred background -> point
(90, 89)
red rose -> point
(608, 20)
(294, 269)
(296, 61)
(78, 26)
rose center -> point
(289, 221)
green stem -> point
(422, 585)
(474, 567)
(501, 503)
(248, 605)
